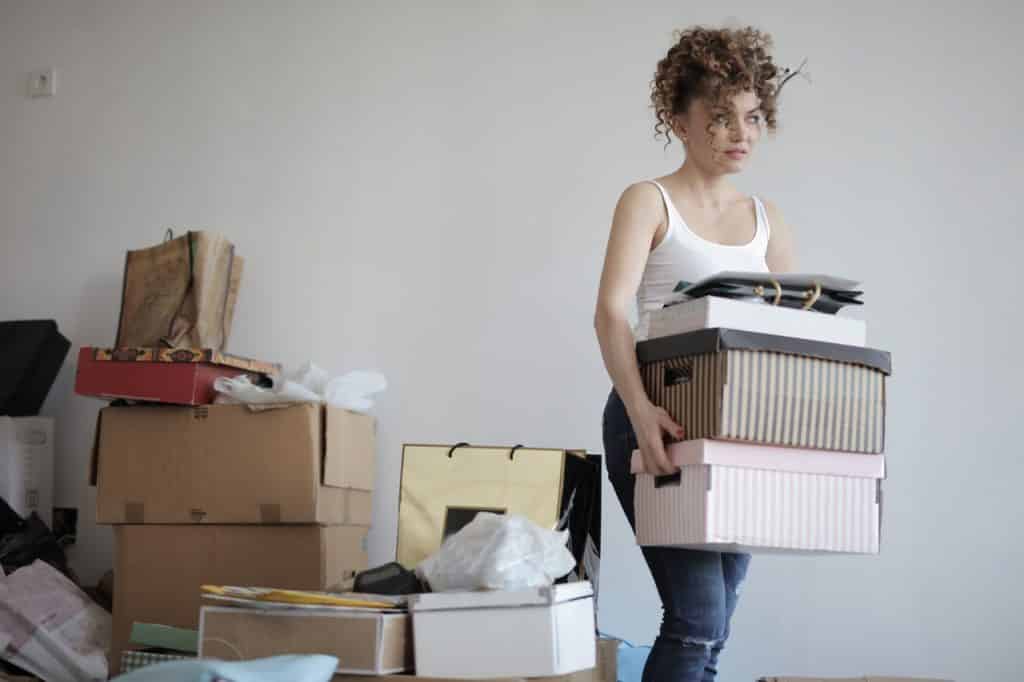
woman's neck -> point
(703, 189)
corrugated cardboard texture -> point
(349, 436)
(363, 643)
(227, 464)
(158, 569)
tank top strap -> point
(763, 230)
(670, 225)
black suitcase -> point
(31, 355)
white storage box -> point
(26, 465)
(529, 633)
(754, 316)
(736, 497)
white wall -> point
(428, 192)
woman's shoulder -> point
(642, 196)
(772, 213)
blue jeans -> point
(698, 589)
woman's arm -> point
(637, 218)
(780, 256)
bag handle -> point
(464, 444)
(812, 296)
(461, 444)
(759, 291)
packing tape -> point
(270, 513)
(134, 512)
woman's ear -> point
(680, 126)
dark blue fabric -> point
(698, 589)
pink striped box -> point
(737, 497)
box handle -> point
(677, 376)
(673, 480)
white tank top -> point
(684, 255)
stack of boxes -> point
(201, 493)
(544, 634)
(784, 433)
(219, 494)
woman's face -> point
(721, 137)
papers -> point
(51, 628)
(270, 598)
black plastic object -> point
(392, 578)
(31, 355)
(24, 541)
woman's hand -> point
(653, 427)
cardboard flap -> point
(542, 596)
(350, 449)
(796, 460)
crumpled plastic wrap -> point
(308, 384)
(498, 552)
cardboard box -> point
(591, 675)
(735, 497)
(606, 670)
(529, 633)
(158, 570)
(26, 465)
(870, 678)
(775, 390)
(365, 642)
(179, 376)
(709, 312)
(228, 464)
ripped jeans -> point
(698, 589)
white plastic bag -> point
(308, 384)
(497, 552)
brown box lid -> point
(227, 464)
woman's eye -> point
(755, 119)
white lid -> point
(538, 596)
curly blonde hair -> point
(716, 64)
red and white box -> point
(737, 497)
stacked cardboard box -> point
(220, 494)
(784, 434)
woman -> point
(716, 91)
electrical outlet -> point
(43, 83)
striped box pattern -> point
(772, 398)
